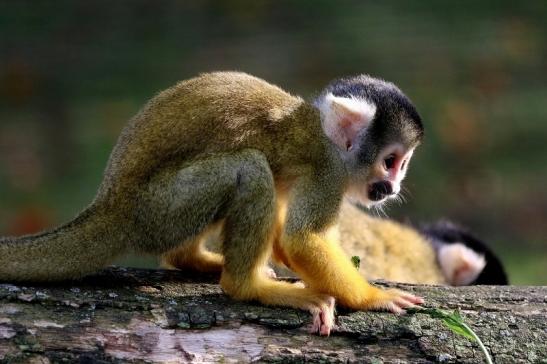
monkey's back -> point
(388, 250)
(210, 114)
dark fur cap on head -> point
(395, 118)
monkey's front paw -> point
(323, 317)
(395, 301)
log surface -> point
(155, 316)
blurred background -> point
(73, 72)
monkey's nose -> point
(380, 190)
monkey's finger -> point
(316, 324)
(407, 296)
(325, 330)
(404, 303)
(395, 309)
(323, 317)
(327, 317)
(322, 323)
(410, 297)
(326, 326)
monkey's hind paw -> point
(269, 272)
(397, 301)
(323, 318)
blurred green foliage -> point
(72, 73)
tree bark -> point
(156, 316)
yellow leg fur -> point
(325, 268)
(277, 293)
(193, 256)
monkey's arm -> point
(320, 261)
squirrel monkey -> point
(463, 258)
(438, 253)
(228, 149)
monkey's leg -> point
(239, 190)
(278, 256)
(321, 262)
(248, 231)
(194, 256)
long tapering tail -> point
(82, 246)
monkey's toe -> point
(398, 301)
(323, 318)
(269, 272)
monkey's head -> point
(376, 129)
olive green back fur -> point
(199, 118)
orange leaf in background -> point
(29, 220)
(459, 128)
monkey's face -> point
(381, 181)
(376, 129)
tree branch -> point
(135, 315)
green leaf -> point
(458, 328)
(454, 322)
(356, 261)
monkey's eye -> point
(389, 161)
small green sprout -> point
(454, 322)
(356, 261)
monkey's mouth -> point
(379, 191)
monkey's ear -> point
(344, 118)
(460, 264)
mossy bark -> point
(141, 316)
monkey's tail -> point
(82, 246)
